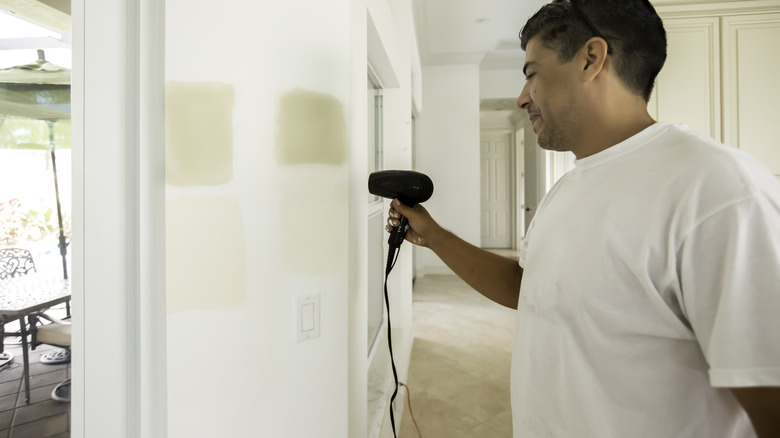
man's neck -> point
(608, 127)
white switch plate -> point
(307, 321)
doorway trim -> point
(119, 337)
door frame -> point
(118, 244)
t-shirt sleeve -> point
(729, 268)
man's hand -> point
(762, 405)
(495, 277)
(422, 227)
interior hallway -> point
(459, 369)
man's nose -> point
(525, 97)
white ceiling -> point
(481, 32)
(27, 25)
(53, 14)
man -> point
(648, 288)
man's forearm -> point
(495, 277)
(762, 405)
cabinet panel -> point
(687, 89)
(752, 91)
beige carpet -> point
(459, 369)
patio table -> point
(20, 297)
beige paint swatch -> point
(311, 129)
(205, 254)
(313, 218)
(198, 133)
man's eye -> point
(528, 77)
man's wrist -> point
(438, 239)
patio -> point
(43, 417)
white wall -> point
(250, 226)
(283, 216)
(449, 153)
(272, 223)
(501, 83)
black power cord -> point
(392, 257)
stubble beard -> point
(554, 137)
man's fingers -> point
(400, 208)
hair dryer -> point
(408, 186)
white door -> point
(496, 193)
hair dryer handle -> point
(397, 235)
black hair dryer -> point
(408, 186)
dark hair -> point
(633, 30)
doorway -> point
(35, 215)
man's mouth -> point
(533, 117)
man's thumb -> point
(401, 208)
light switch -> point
(308, 316)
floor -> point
(459, 368)
(43, 417)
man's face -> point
(550, 97)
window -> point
(375, 126)
(376, 233)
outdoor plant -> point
(20, 224)
(11, 222)
(39, 225)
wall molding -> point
(689, 8)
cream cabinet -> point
(751, 86)
(688, 88)
(722, 74)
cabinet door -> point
(688, 87)
(751, 95)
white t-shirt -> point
(651, 284)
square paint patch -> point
(205, 254)
(198, 133)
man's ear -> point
(594, 54)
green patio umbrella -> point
(39, 91)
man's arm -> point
(495, 277)
(762, 405)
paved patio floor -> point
(43, 417)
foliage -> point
(18, 223)
(39, 225)
(11, 222)
(21, 133)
